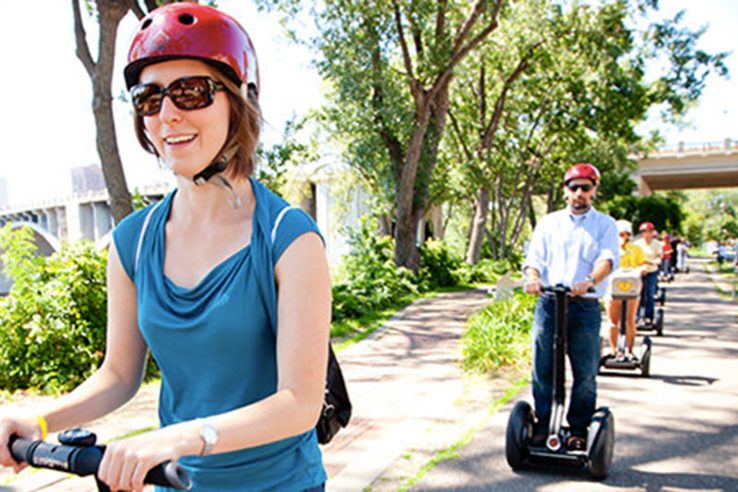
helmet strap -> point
(214, 170)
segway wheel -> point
(603, 443)
(519, 430)
(659, 322)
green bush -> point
(371, 282)
(52, 323)
(499, 335)
(486, 271)
(437, 266)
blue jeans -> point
(319, 488)
(648, 292)
(583, 322)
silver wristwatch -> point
(209, 436)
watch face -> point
(209, 434)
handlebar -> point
(85, 460)
(559, 288)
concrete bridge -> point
(81, 216)
(684, 166)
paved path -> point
(677, 430)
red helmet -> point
(646, 226)
(582, 170)
(190, 30)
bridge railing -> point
(729, 145)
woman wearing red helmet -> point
(211, 280)
(652, 251)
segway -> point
(520, 451)
(657, 324)
(625, 285)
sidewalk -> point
(406, 387)
(676, 430)
(410, 396)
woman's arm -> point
(109, 387)
(304, 311)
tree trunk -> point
(110, 13)
(478, 225)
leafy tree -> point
(391, 63)
(664, 211)
(570, 86)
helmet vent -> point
(146, 23)
(187, 19)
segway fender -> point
(601, 443)
(519, 431)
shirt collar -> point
(580, 218)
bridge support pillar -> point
(103, 219)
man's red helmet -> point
(646, 226)
(582, 170)
(190, 30)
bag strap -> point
(141, 234)
(278, 220)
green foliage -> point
(369, 280)
(486, 271)
(499, 335)
(52, 323)
(663, 210)
(437, 266)
(711, 215)
(275, 161)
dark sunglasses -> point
(186, 93)
(583, 187)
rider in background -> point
(236, 320)
(682, 252)
(652, 251)
(631, 257)
(577, 247)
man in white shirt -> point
(578, 247)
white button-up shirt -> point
(566, 247)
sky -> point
(48, 127)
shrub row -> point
(368, 280)
(499, 335)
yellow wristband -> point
(41, 421)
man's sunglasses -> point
(583, 187)
(186, 93)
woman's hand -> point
(126, 462)
(23, 428)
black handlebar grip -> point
(20, 449)
(169, 474)
(84, 461)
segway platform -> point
(625, 285)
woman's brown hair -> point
(243, 128)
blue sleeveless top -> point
(215, 343)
